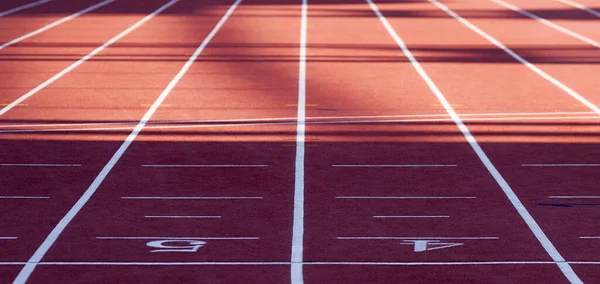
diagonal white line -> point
(508, 191)
(23, 7)
(579, 6)
(64, 222)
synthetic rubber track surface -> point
(450, 161)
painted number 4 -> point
(175, 245)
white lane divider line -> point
(40, 165)
(205, 166)
(191, 263)
(89, 192)
(589, 237)
(23, 7)
(580, 6)
(393, 166)
(575, 197)
(565, 268)
(8, 238)
(297, 249)
(23, 197)
(411, 217)
(417, 238)
(547, 23)
(191, 197)
(185, 217)
(52, 25)
(405, 197)
(174, 238)
(560, 165)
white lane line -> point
(575, 197)
(410, 217)
(8, 238)
(305, 263)
(40, 165)
(418, 238)
(290, 123)
(391, 166)
(580, 6)
(23, 7)
(23, 197)
(52, 25)
(191, 197)
(547, 23)
(405, 197)
(560, 165)
(297, 254)
(185, 217)
(589, 237)
(206, 166)
(508, 191)
(85, 58)
(64, 222)
(176, 238)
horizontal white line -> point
(8, 238)
(391, 166)
(185, 217)
(411, 216)
(191, 197)
(405, 197)
(23, 197)
(560, 165)
(40, 165)
(306, 263)
(417, 238)
(574, 197)
(206, 166)
(177, 238)
(589, 237)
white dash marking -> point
(405, 197)
(576, 197)
(23, 7)
(589, 237)
(177, 238)
(418, 238)
(8, 238)
(54, 24)
(411, 216)
(89, 192)
(40, 165)
(393, 166)
(560, 165)
(23, 197)
(206, 166)
(185, 217)
(580, 6)
(191, 197)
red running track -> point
(212, 187)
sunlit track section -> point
(580, 6)
(547, 23)
(56, 23)
(565, 268)
(517, 57)
(86, 57)
(34, 260)
(23, 7)
(297, 258)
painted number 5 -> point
(176, 245)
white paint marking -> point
(296, 269)
(206, 166)
(23, 197)
(508, 191)
(52, 25)
(418, 238)
(391, 166)
(410, 217)
(85, 58)
(428, 245)
(177, 238)
(305, 263)
(576, 197)
(55, 233)
(405, 197)
(560, 165)
(191, 197)
(23, 7)
(185, 217)
(547, 23)
(8, 238)
(580, 6)
(40, 165)
(589, 237)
